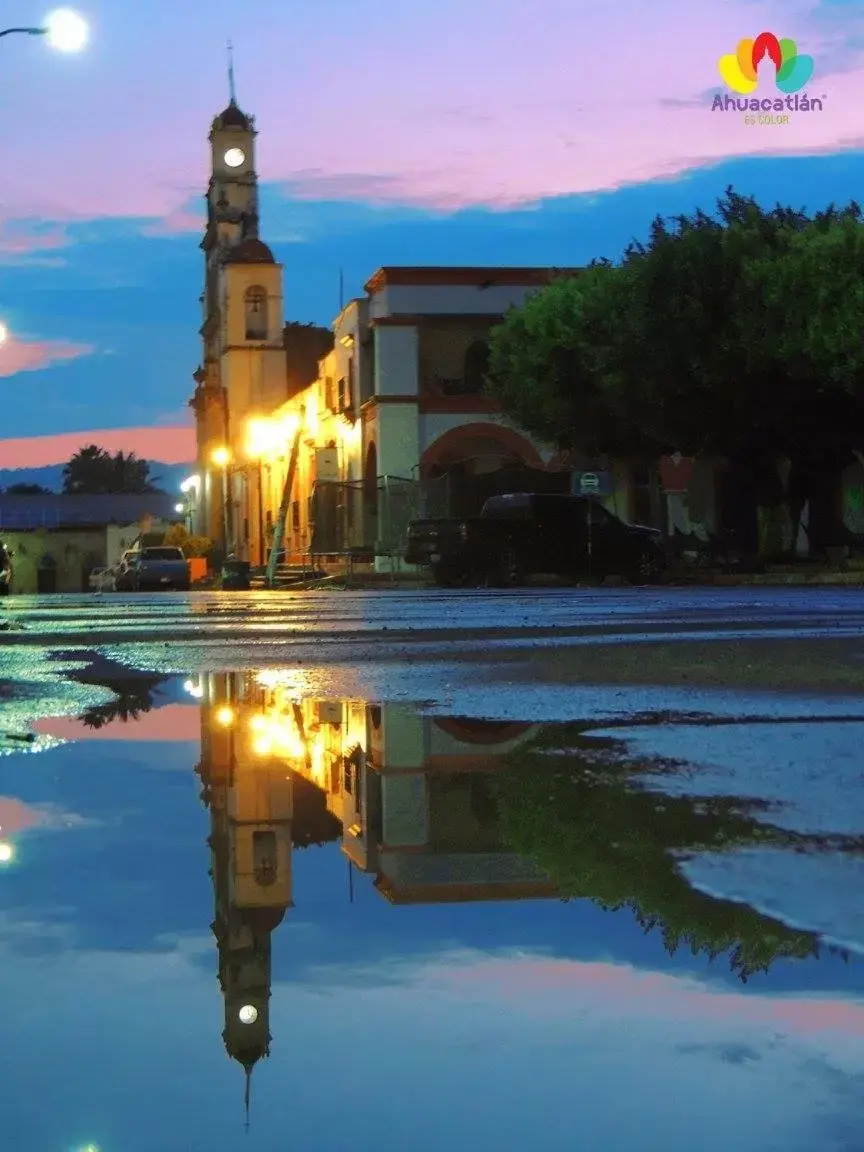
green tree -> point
(94, 471)
(178, 536)
(709, 339)
(543, 364)
(28, 490)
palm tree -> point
(93, 470)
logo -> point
(739, 72)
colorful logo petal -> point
(794, 74)
(734, 76)
(744, 53)
(739, 72)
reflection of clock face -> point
(234, 157)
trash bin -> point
(235, 575)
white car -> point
(102, 580)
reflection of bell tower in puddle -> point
(251, 808)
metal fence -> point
(349, 516)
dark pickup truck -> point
(526, 534)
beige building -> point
(56, 541)
(384, 415)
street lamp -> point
(64, 30)
(221, 457)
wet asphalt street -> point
(454, 620)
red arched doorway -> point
(468, 464)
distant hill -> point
(168, 477)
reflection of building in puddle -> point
(414, 797)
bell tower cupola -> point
(232, 195)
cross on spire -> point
(231, 89)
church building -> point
(375, 422)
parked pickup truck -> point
(152, 568)
(528, 534)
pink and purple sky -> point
(460, 132)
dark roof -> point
(250, 251)
(20, 513)
(232, 117)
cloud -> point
(17, 355)
(168, 445)
(22, 238)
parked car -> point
(153, 568)
(526, 534)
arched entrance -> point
(464, 467)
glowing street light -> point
(64, 29)
(221, 457)
(225, 717)
(189, 483)
(7, 853)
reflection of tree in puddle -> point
(133, 696)
(571, 805)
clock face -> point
(234, 157)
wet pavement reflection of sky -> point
(386, 902)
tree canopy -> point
(94, 471)
(736, 335)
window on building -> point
(256, 313)
(264, 859)
(329, 401)
(475, 367)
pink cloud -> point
(23, 237)
(16, 816)
(171, 722)
(170, 445)
(627, 113)
(17, 355)
(627, 993)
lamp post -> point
(221, 458)
(64, 30)
(261, 440)
(190, 488)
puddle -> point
(228, 892)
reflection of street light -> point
(7, 853)
(64, 30)
(4, 333)
(221, 458)
(225, 717)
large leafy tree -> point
(736, 334)
(94, 471)
(543, 364)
